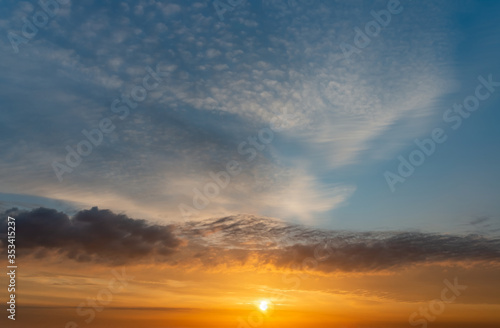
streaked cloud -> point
(238, 242)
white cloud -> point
(224, 84)
(169, 9)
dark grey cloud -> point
(480, 220)
(485, 225)
(102, 236)
(287, 246)
(98, 235)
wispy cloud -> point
(227, 81)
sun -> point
(263, 305)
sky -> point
(209, 147)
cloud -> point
(230, 80)
(169, 9)
(479, 220)
(94, 234)
(242, 242)
(286, 246)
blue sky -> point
(221, 82)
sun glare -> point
(263, 305)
